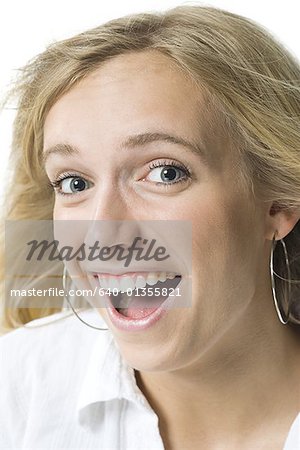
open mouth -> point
(138, 302)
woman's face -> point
(140, 93)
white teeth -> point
(132, 282)
(171, 275)
(126, 283)
(140, 282)
(113, 283)
(162, 276)
(103, 281)
(152, 278)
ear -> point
(280, 221)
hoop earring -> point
(283, 317)
(67, 298)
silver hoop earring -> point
(283, 317)
(64, 282)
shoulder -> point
(42, 368)
(44, 354)
(23, 342)
(45, 326)
(293, 439)
(55, 339)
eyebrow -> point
(132, 142)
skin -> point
(219, 372)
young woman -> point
(191, 114)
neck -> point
(242, 381)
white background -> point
(26, 27)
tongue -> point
(139, 308)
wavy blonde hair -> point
(252, 81)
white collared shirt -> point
(64, 385)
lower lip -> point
(127, 324)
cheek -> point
(65, 211)
(70, 231)
(225, 223)
(224, 255)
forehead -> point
(140, 63)
(144, 81)
(132, 93)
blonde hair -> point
(252, 82)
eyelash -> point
(56, 184)
(187, 171)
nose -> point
(109, 204)
(112, 222)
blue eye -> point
(168, 173)
(69, 184)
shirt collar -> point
(108, 377)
